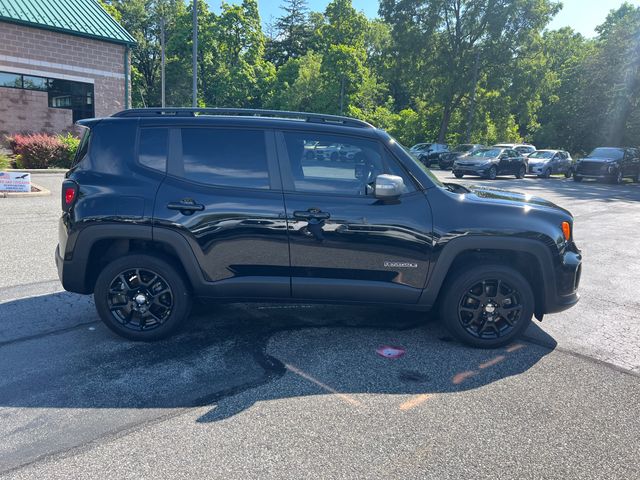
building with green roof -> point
(60, 61)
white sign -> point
(15, 182)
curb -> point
(42, 192)
(38, 170)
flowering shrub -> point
(40, 150)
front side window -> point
(152, 150)
(338, 165)
(225, 157)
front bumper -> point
(479, 170)
(568, 274)
(536, 169)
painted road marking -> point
(342, 396)
(415, 401)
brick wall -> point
(59, 55)
(22, 110)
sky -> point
(582, 15)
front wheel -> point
(492, 173)
(617, 179)
(458, 174)
(568, 173)
(487, 306)
(546, 173)
(142, 297)
(521, 172)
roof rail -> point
(191, 112)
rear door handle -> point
(310, 214)
(186, 207)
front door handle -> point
(311, 214)
(186, 206)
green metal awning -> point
(85, 18)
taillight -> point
(69, 194)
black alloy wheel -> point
(142, 297)
(487, 306)
(492, 173)
(521, 172)
(490, 309)
(568, 173)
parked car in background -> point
(429, 153)
(544, 163)
(491, 162)
(609, 163)
(446, 159)
(523, 148)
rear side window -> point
(225, 157)
(83, 148)
(152, 149)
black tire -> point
(166, 300)
(568, 173)
(455, 305)
(546, 173)
(458, 174)
(492, 173)
(577, 178)
(522, 171)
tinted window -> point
(224, 157)
(152, 150)
(10, 80)
(337, 164)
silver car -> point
(544, 163)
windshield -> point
(541, 154)
(612, 153)
(420, 146)
(487, 152)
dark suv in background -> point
(611, 164)
(163, 205)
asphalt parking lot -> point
(267, 391)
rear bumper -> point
(71, 274)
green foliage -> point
(5, 162)
(70, 144)
(446, 70)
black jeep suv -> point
(162, 205)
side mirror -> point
(388, 187)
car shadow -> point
(229, 349)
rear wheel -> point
(568, 173)
(487, 306)
(142, 297)
(521, 172)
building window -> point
(67, 94)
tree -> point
(293, 32)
